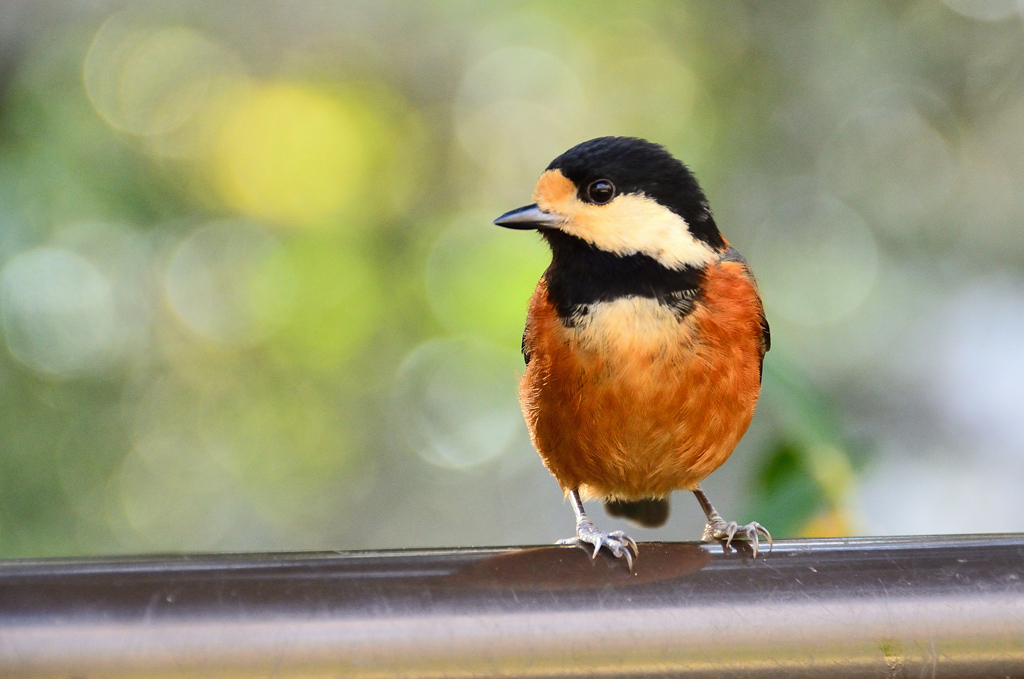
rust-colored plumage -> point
(623, 416)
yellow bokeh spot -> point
(292, 154)
(834, 523)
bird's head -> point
(624, 196)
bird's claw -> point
(730, 530)
(617, 542)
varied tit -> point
(644, 339)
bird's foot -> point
(617, 542)
(719, 529)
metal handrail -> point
(888, 607)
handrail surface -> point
(949, 606)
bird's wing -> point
(732, 255)
(525, 347)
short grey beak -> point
(529, 217)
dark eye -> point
(600, 191)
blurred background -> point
(251, 297)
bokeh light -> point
(58, 312)
(291, 153)
(169, 487)
(889, 163)
(456, 401)
(816, 258)
(210, 280)
(150, 80)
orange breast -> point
(632, 402)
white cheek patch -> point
(634, 223)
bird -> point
(644, 339)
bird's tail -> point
(650, 512)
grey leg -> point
(718, 528)
(617, 542)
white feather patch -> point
(631, 223)
(629, 326)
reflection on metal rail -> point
(887, 607)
